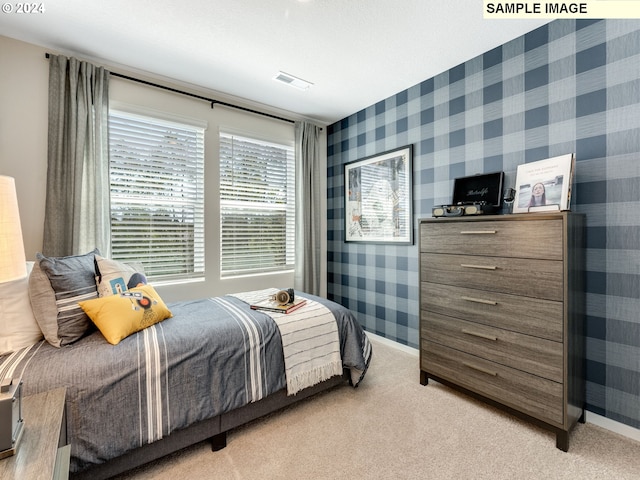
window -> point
(257, 206)
(157, 195)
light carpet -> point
(391, 427)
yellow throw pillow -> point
(118, 316)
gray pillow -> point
(72, 280)
(43, 304)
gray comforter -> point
(213, 356)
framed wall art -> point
(378, 198)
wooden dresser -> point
(501, 313)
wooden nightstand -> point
(41, 453)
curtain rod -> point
(212, 101)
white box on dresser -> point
(502, 313)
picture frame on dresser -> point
(378, 198)
(544, 185)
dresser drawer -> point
(529, 239)
(531, 354)
(531, 316)
(533, 278)
(535, 396)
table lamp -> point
(12, 267)
(12, 258)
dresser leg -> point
(424, 379)
(562, 440)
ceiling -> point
(354, 52)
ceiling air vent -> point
(293, 81)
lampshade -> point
(12, 258)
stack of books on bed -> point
(273, 306)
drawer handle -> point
(481, 267)
(479, 300)
(480, 335)
(480, 369)
(478, 232)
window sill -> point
(257, 274)
(162, 283)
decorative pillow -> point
(18, 326)
(72, 280)
(137, 280)
(118, 316)
(113, 276)
(43, 304)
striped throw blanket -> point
(310, 341)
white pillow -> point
(112, 276)
(18, 326)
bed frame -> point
(214, 429)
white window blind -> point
(257, 206)
(157, 195)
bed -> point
(213, 364)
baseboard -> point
(394, 344)
(612, 425)
(590, 417)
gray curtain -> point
(77, 215)
(308, 208)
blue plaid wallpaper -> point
(569, 86)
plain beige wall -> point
(24, 72)
(24, 76)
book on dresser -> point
(501, 313)
(544, 185)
